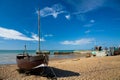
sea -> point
(9, 56)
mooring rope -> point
(46, 59)
(53, 72)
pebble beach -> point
(93, 68)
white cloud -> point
(88, 31)
(48, 35)
(26, 31)
(16, 35)
(35, 37)
(83, 6)
(80, 7)
(88, 25)
(92, 21)
(67, 17)
(54, 11)
(82, 41)
(80, 17)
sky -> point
(64, 24)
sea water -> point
(9, 56)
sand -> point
(94, 68)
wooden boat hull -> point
(29, 62)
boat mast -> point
(38, 30)
(25, 48)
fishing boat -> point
(27, 62)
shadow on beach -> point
(64, 73)
(47, 72)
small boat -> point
(99, 52)
(27, 62)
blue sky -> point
(65, 24)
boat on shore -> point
(27, 62)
